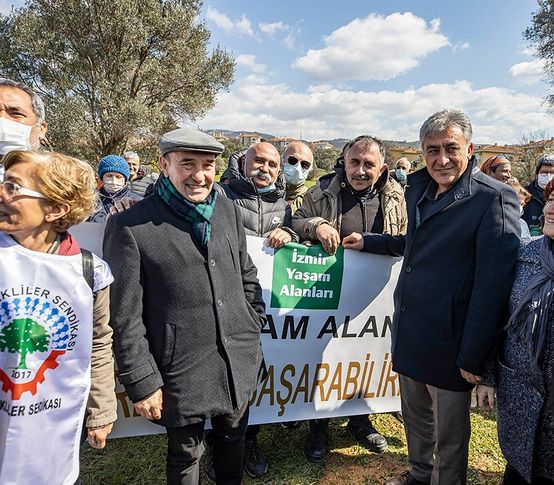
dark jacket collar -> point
(535, 191)
(460, 190)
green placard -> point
(306, 277)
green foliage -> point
(525, 162)
(113, 73)
(541, 36)
(325, 159)
(23, 336)
(232, 145)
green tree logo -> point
(23, 336)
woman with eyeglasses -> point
(56, 367)
(524, 366)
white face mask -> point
(113, 184)
(543, 179)
(294, 174)
(14, 136)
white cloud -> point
(271, 28)
(498, 114)
(240, 26)
(289, 40)
(461, 47)
(249, 61)
(528, 72)
(375, 47)
(527, 51)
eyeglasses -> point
(304, 163)
(11, 190)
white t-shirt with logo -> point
(45, 353)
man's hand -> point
(328, 237)
(96, 437)
(485, 394)
(151, 407)
(122, 205)
(471, 378)
(353, 241)
(278, 237)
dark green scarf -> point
(199, 215)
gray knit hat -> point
(189, 139)
(546, 159)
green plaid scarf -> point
(199, 215)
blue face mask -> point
(400, 175)
(265, 190)
(294, 174)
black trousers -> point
(512, 477)
(185, 448)
(252, 431)
(358, 421)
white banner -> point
(327, 340)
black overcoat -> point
(452, 293)
(185, 319)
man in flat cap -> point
(187, 309)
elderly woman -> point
(56, 367)
(114, 172)
(524, 365)
(497, 167)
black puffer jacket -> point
(532, 211)
(261, 213)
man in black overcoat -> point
(452, 295)
(187, 309)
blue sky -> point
(340, 69)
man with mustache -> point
(357, 199)
(254, 181)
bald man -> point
(298, 162)
(402, 168)
(254, 181)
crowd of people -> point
(178, 294)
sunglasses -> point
(303, 163)
(11, 190)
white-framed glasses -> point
(11, 190)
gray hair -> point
(442, 120)
(403, 158)
(36, 103)
(131, 155)
(366, 141)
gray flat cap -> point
(189, 139)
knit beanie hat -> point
(546, 159)
(113, 163)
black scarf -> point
(530, 318)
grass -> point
(134, 461)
